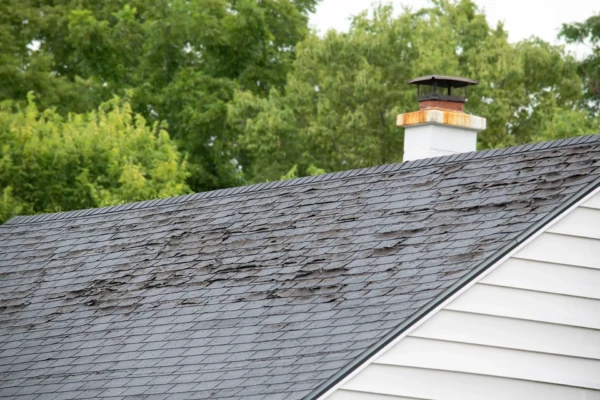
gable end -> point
(545, 286)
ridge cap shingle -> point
(577, 141)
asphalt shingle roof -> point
(260, 292)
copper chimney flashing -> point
(439, 91)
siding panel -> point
(534, 306)
(350, 395)
(506, 363)
(512, 334)
(563, 249)
(581, 222)
(594, 202)
(432, 384)
(546, 277)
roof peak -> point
(426, 162)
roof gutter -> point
(432, 305)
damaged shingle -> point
(265, 291)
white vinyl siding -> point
(564, 249)
(529, 329)
(494, 361)
(436, 384)
(529, 305)
(350, 395)
(511, 333)
(546, 277)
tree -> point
(338, 109)
(587, 32)
(182, 60)
(50, 163)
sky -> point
(522, 18)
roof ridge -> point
(426, 162)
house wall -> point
(529, 329)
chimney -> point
(440, 127)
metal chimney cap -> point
(443, 81)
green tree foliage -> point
(52, 163)
(338, 109)
(588, 32)
(182, 59)
(250, 95)
(310, 171)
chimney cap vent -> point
(443, 81)
(442, 91)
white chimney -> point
(440, 127)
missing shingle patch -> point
(402, 233)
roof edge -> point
(436, 302)
(340, 175)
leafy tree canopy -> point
(588, 32)
(338, 109)
(182, 59)
(249, 94)
(51, 163)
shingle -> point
(181, 388)
(134, 390)
(263, 291)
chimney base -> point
(438, 132)
(434, 140)
(441, 116)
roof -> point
(444, 81)
(271, 291)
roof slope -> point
(261, 292)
